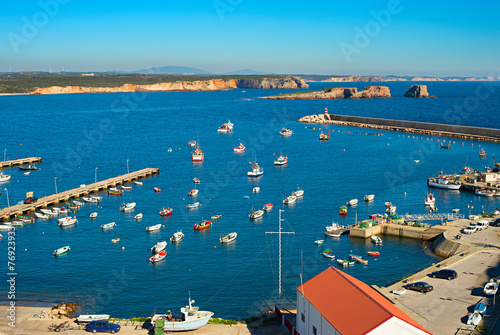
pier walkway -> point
(19, 162)
(76, 193)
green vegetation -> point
(331, 88)
(224, 322)
(28, 82)
(294, 93)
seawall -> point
(434, 129)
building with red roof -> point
(334, 302)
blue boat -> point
(480, 307)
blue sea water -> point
(83, 137)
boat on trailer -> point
(192, 319)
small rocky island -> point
(332, 93)
(418, 91)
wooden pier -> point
(76, 193)
(19, 162)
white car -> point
(469, 230)
(482, 224)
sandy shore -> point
(26, 324)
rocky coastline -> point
(332, 93)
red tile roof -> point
(348, 304)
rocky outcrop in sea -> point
(417, 91)
(332, 93)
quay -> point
(76, 193)
(19, 162)
(425, 128)
(472, 181)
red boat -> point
(157, 190)
(373, 253)
(268, 207)
(166, 211)
(203, 225)
(343, 210)
(158, 257)
(115, 192)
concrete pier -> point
(76, 193)
(400, 230)
(19, 162)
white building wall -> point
(395, 326)
(312, 318)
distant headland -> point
(382, 79)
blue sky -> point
(444, 38)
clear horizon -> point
(392, 37)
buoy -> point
(163, 226)
(405, 194)
(123, 248)
(215, 247)
(25, 249)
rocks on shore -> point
(417, 91)
(63, 309)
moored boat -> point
(128, 207)
(115, 192)
(4, 177)
(323, 136)
(115, 240)
(345, 262)
(192, 143)
(286, 132)
(176, 237)
(445, 146)
(138, 183)
(197, 155)
(482, 153)
(67, 222)
(126, 188)
(138, 216)
(343, 210)
(369, 197)
(319, 242)
(327, 253)
(226, 127)
(256, 214)
(216, 217)
(443, 182)
(268, 207)
(430, 200)
(159, 247)
(42, 216)
(158, 257)
(240, 148)
(256, 170)
(28, 167)
(193, 205)
(154, 227)
(108, 225)
(157, 189)
(192, 319)
(61, 250)
(256, 189)
(373, 253)
(93, 215)
(289, 200)
(203, 225)
(281, 160)
(375, 239)
(298, 193)
(196, 181)
(486, 192)
(166, 211)
(228, 238)
(352, 202)
(193, 193)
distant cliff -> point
(332, 93)
(198, 85)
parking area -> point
(446, 308)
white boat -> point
(416, 161)
(191, 143)
(430, 200)
(27, 173)
(333, 227)
(298, 193)
(4, 177)
(490, 288)
(198, 155)
(474, 319)
(256, 214)
(108, 225)
(226, 127)
(138, 183)
(176, 237)
(443, 182)
(352, 202)
(159, 247)
(228, 238)
(62, 250)
(391, 210)
(369, 197)
(193, 193)
(138, 216)
(92, 317)
(48, 212)
(486, 192)
(286, 132)
(126, 188)
(42, 216)
(128, 207)
(153, 228)
(319, 242)
(93, 215)
(192, 319)
(256, 189)
(68, 222)
(93, 199)
(239, 148)
(375, 239)
(289, 200)
(333, 233)
(256, 170)
(281, 160)
(7, 227)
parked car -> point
(495, 223)
(445, 274)
(103, 327)
(482, 224)
(469, 230)
(419, 286)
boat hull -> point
(444, 186)
(188, 325)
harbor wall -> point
(445, 246)
(399, 230)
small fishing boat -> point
(286, 132)
(228, 238)
(93, 215)
(28, 167)
(268, 207)
(13, 224)
(159, 247)
(166, 211)
(480, 307)
(154, 228)
(138, 183)
(193, 205)
(485, 192)
(92, 317)
(333, 233)
(334, 226)
(42, 216)
(343, 210)
(203, 225)
(197, 155)
(388, 204)
(375, 239)
(48, 212)
(27, 173)
(430, 200)
(327, 253)
(289, 200)
(444, 182)
(157, 190)
(482, 153)
(192, 319)
(193, 193)
(62, 250)
(158, 257)
(373, 253)
(4, 177)
(128, 207)
(226, 127)
(416, 161)
(216, 217)
(108, 225)
(319, 242)
(177, 237)
(115, 192)
(474, 319)
(68, 222)
(191, 143)
(369, 197)
(391, 210)
(490, 288)
(281, 160)
(345, 262)
(298, 193)
(169, 150)
(256, 170)
(445, 146)
(246, 197)
(256, 214)
(138, 216)
(73, 206)
(256, 189)
(126, 188)
(323, 136)
(239, 148)
(92, 199)
(196, 180)
(115, 240)
(352, 202)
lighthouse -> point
(326, 111)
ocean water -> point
(83, 137)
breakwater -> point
(19, 162)
(434, 129)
